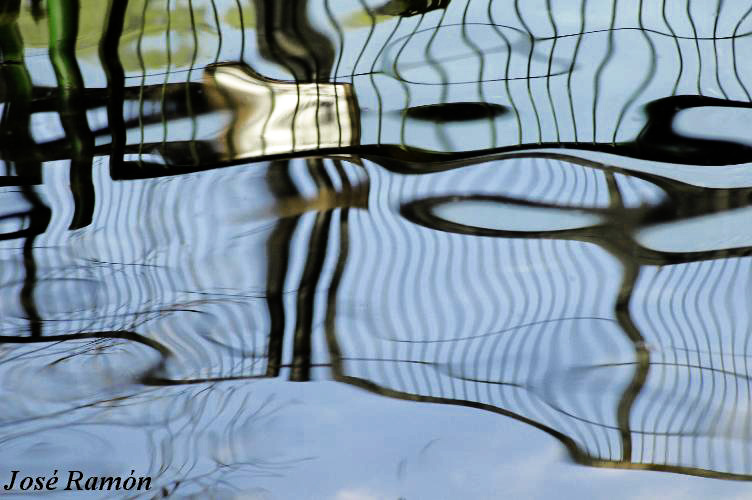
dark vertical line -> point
(616, 201)
(481, 71)
(242, 31)
(113, 69)
(570, 71)
(278, 257)
(218, 26)
(645, 82)
(733, 52)
(678, 48)
(601, 68)
(507, 67)
(341, 40)
(642, 356)
(697, 46)
(63, 26)
(39, 220)
(310, 279)
(335, 353)
(380, 100)
(162, 101)
(142, 66)
(188, 98)
(715, 49)
(401, 81)
(531, 40)
(554, 39)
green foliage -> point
(192, 31)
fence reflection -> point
(487, 204)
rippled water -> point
(506, 245)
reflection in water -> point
(487, 204)
(272, 118)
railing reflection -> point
(631, 351)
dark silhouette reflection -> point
(410, 7)
(113, 68)
(63, 29)
(286, 37)
(572, 254)
(455, 111)
(15, 124)
(616, 230)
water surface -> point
(354, 250)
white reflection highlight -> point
(272, 117)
